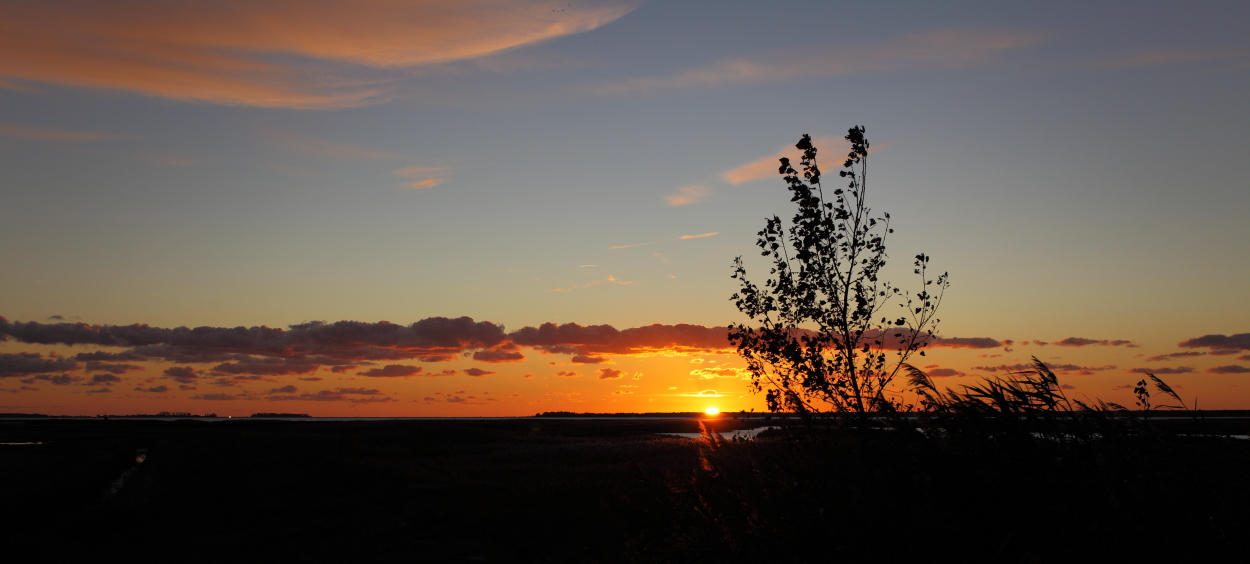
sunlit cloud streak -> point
(1229, 369)
(931, 50)
(688, 194)
(832, 150)
(270, 53)
(38, 134)
(609, 279)
(682, 238)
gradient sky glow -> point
(1079, 168)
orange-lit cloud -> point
(939, 49)
(430, 176)
(766, 167)
(423, 184)
(54, 134)
(270, 53)
(688, 194)
(722, 372)
(832, 150)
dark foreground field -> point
(606, 491)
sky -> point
(490, 208)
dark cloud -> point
(267, 367)
(352, 395)
(1170, 356)
(568, 374)
(110, 357)
(594, 340)
(283, 390)
(105, 379)
(610, 374)
(54, 379)
(24, 363)
(498, 356)
(583, 359)
(1238, 342)
(183, 374)
(311, 379)
(1164, 370)
(1230, 369)
(434, 338)
(965, 343)
(186, 387)
(392, 371)
(96, 366)
(155, 389)
(943, 373)
(100, 391)
(477, 372)
(1082, 342)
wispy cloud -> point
(54, 134)
(832, 150)
(699, 236)
(688, 194)
(270, 53)
(937, 49)
(610, 279)
(429, 176)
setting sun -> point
(711, 411)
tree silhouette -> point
(822, 338)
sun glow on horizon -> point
(712, 411)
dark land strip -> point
(604, 490)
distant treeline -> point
(281, 415)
